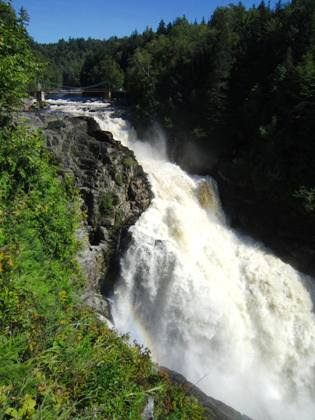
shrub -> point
(130, 163)
(119, 179)
(107, 203)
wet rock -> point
(91, 258)
(148, 411)
(274, 219)
(98, 303)
(214, 409)
(114, 192)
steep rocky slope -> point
(113, 187)
(275, 219)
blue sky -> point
(55, 19)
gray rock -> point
(97, 302)
(283, 226)
(214, 409)
(148, 411)
(114, 193)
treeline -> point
(242, 84)
(66, 59)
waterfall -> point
(215, 306)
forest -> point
(241, 84)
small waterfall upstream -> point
(217, 307)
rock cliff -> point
(114, 191)
(275, 219)
(214, 409)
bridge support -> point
(40, 97)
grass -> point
(56, 359)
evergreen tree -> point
(18, 67)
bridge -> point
(101, 89)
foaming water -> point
(217, 307)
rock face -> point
(254, 205)
(113, 187)
(285, 228)
(214, 409)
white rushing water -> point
(214, 306)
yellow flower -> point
(62, 296)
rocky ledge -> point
(274, 219)
(214, 409)
(114, 191)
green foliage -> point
(80, 62)
(18, 68)
(130, 163)
(98, 69)
(107, 203)
(141, 84)
(119, 217)
(37, 224)
(307, 195)
(119, 179)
